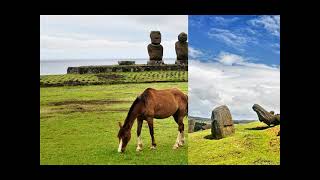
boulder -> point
(199, 126)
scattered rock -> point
(191, 125)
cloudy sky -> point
(100, 37)
(235, 60)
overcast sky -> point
(235, 61)
(100, 37)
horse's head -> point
(124, 136)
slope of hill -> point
(252, 144)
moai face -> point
(155, 37)
(183, 37)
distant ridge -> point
(207, 120)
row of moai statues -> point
(155, 49)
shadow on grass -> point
(258, 128)
(210, 137)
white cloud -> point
(197, 21)
(230, 38)
(194, 53)
(250, 31)
(213, 84)
(229, 59)
(223, 20)
(270, 23)
(276, 48)
(107, 36)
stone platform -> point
(125, 68)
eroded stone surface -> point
(155, 49)
(191, 125)
(222, 123)
(267, 117)
(181, 48)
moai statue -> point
(155, 49)
(222, 123)
(182, 49)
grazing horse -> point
(157, 104)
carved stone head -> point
(155, 37)
(183, 37)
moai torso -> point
(182, 50)
(181, 47)
(155, 52)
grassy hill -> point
(79, 125)
(252, 144)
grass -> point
(252, 144)
(113, 78)
(79, 125)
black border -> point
(165, 7)
(183, 7)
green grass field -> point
(113, 78)
(252, 144)
(79, 125)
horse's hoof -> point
(175, 146)
(153, 148)
(139, 149)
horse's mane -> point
(135, 102)
(140, 99)
(144, 96)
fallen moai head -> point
(267, 117)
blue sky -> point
(257, 38)
(234, 61)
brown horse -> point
(157, 104)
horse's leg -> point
(178, 117)
(181, 129)
(139, 143)
(150, 124)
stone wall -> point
(125, 68)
